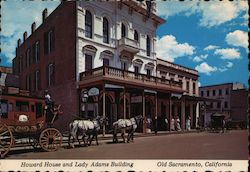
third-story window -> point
(227, 91)
(136, 36)
(202, 94)
(51, 75)
(37, 51)
(105, 30)
(187, 86)
(49, 38)
(123, 30)
(213, 92)
(88, 24)
(207, 93)
(220, 92)
(148, 46)
(194, 87)
(28, 57)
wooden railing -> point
(128, 76)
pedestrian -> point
(178, 127)
(223, 125)
(166, 121)
(49, 106)
(172, 124)
(156, 126)
(188, 123)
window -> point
(148, 46)
(163, 78)
(211, 105)
(88, 62)
(220, 92)
(37, 80)
(225, 104)
(124, 65)
(123, 30)
(202, 93)
(136, 68)
(227, 91)
(39, 110)
(187, 86)
(218, 104)
(207, 93)
(213, 92)
(37, 51)
(105, 62)
(88, 24)
(136, 36)
(28, 58)
(22, 106)
(4, 108)
(148, 73)
(20, 63)
(50, 75)
(49, 38)
(194, 87)
(105, 30)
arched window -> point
(105, 30)
(148, 45)
(88, 24)
(136, 36)
(123, 30)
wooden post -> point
(183, 120)
(191, 112)
(124, 103)
(103, 108)
(143, 111)
(170, 112)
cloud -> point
(212, 13)
(228, 53)
(168, 48)
(238, 38)
(205, 68)
(200, 58)
(17, 18)
(229, 64)
(211, 47)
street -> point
(232, 145)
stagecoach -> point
(24, 117)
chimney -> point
(18, 43)
(45, 14)
(33, 27)
(24, 36)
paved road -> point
(230, 145)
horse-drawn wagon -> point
(27, 117)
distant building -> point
(7, 78)
(232, 101)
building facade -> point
(99, 58)
(232, 101)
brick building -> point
(99, 58)
(232, 101)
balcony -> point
(130, 79)
(128, 45)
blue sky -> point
(210, 37)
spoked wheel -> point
(6, 140)
(33, 141)
(50, 139)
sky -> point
(210, 37)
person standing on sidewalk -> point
(156, 125)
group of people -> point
(175, 123)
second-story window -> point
(194, 87)
(50, 75)
(207, 93)
(105, 62)
(187, 86)
(105, 30)
(37, 80)
(136, 36)
(148, 73)
(88, 24)
(148, 48)
(218, 104)
(124, 65)
(28, 58)
(88, 62)
(225, 104)
(124, 34)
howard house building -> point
(99, 58)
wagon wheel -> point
(6, 139)
(33, 141)
(50, 139)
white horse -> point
(85, 127)
(123, 125)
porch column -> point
(197, 115)
(170, 112)
(143, 111)
(124, 103)
(156, 106)
(103, 108)
(183, 127)
(191, 113)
